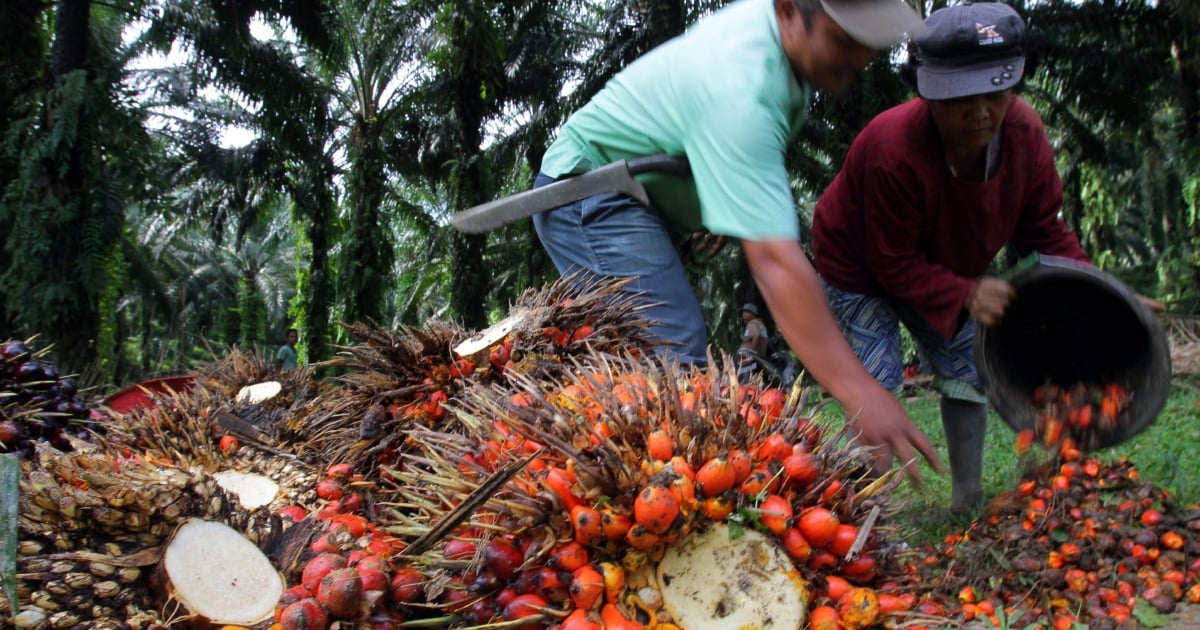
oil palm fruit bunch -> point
(608, 470)
(37, 403)
(393, 381)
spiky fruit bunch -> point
(587, 510)
(37, 403)
(396, 380)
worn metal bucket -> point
(1073, 323)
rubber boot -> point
(965, 424)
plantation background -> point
(137, 236)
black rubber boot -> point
(965, 424)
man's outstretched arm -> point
(790, 286)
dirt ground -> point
(1186, 617)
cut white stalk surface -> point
(219, 575)
(710, 582)
(252, 490)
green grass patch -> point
(1167, 454)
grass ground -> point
(1167, 454)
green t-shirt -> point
(287, 356)
(724, 95)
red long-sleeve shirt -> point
(895, 222)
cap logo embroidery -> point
(988, 35)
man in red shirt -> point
(930, 192)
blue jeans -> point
(614, 236)
(872, 326)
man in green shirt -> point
(285, 359)
(730, 95)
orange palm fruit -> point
(858, 608)
(715, 476)
(717, 508)
(776, 514)
(823, 618)
(659, 445)
(656, 509)
(819, 525)
(614, 525)
(587, 587)
(587, 523)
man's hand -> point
(883, 424)
(989, 299)
(707, 244)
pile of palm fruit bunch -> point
(549, 472)
(37, 404)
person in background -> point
(930, 191)
(730, 95)
(286, 358)
(755, 336)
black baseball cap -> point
(875, 23)
(969, 49)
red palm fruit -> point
(330, 489)
(560, 483)
(822, 560)
(341, 593)
(660, 446)
(587, 523)
(773, 447)
(890, 603)
(641, 538)
(525, 606)
(684, 492)
(823, 618)
(819, 525)
(461, 368)
(776, 514)
(569, 556)
(293, 513)
(861, 570)
(306, 614)
(741, 463)
(318, 567)
(579, 620)
(289, 597)
(340, 472)
(656, 509)
(587, 587)
(796, 545)
(843, 539)
(614, 525)
(835, 587)
(680, 466)
(228, 444)
(770, 403)
(458, 549)
(800, 467)
(715, 476)
(614, 619)
(502, 558)
(373, 579)
(756, 482)
(552, 586)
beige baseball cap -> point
(876, 23)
